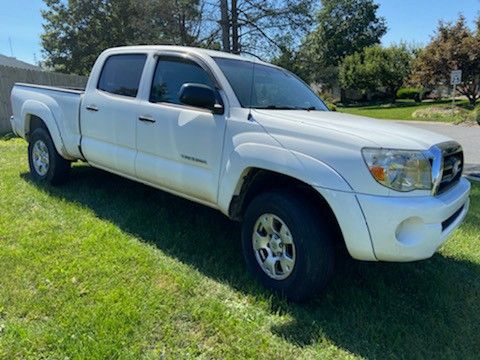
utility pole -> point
(11, 47)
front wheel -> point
(287, 244)
(45, 163)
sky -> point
(412, 21)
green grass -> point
(402, 110)
(103, 267)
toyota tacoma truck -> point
(255, 142)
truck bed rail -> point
(75, 90)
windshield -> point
(273, 88)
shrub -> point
(476, 115)
(328, 99)
(379, 97)
(331, 106)
(410, 93)
(447, 114)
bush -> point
(328, 99)
(410, 93)
(379, 97)
(447, 114)
(331, 106)
(476, 115)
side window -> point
(121, 74)
(171, 73)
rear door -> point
(179, 147)
(109, 114)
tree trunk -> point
(393, 95)
(343, 96)
(225, 25)
(235, 42)
(182, 29)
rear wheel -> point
(287, 245)
(45, 163)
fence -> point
(11, 75)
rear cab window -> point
(121, 74)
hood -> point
(336, 140)
(362, 131)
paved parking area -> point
(468, 136)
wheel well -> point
(257, 181)
(34, 122)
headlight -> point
(401, 170)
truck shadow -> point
(370, 309)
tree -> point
(343, 28)
(225, 25)
(258, 25)
(377, 68)
(77, 31)
(454, 46)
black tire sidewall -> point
(43, 135)
(312, 239)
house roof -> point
(12, 62)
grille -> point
(452, 166)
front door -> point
(179, 147)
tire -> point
(46, 164)
(303, 269)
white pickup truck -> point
(253, 141)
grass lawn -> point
(107, 268)
(402, 110)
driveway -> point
(468, 136)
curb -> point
(473, 177)
(425, 122)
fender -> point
(37, 108)
(277, 159)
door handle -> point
(92, 108)
(146, 119)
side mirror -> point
(201, 96)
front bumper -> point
(398, 228)
(413, 228)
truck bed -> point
(57, 106)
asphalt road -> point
(467, 136)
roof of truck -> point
(200, 51)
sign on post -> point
(455, 79)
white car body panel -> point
(58, 108)
(205, 157)
(385, 216)
(108, 135)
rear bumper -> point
(400, 228)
